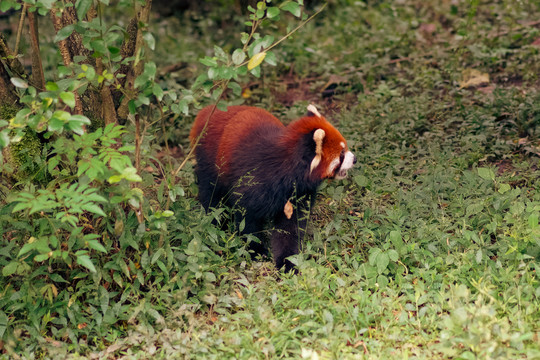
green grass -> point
(429, 250)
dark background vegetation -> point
(430, 249)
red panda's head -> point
(332, 158)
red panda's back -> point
(227, 130)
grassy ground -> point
(431, 248)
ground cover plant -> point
(429, 250)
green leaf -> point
(27, 247)
(150, 69)
(68, 98)
(266, 41)
(5, 5)
(94, 244)
(256, 72)
(80, 118)
(272, 12)
(393, 255)
(150, 40)
(51, 86)
(474, 209)
(3, 317)
(237, 89)
(115, 178)
(10, 268)
(93, 208)
(133, 177)
(382, 262)
(84, 260)
(486, 173)
(4, 138)
(504, 188)
(140, 80)
(478, 256)
(76, 127)
(238, 56)
(82, 7)
(270, 58)
(90, 73)
(41, 257)
(208, 61)
(382, 281)
(293, 8)
(533, 220)
(62, 115)
(221, 55)
(374, 252)
(99, 46)
(167, 213)
(132, 107)
(55, 125)
(57, 278)
(64, 33)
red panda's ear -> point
(318, 137)
(312, 111)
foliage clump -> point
(25, 158)
(429, 250)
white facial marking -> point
(348, 162)
(342, 144)
(333, 165)
(312, 109)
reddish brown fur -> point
(228, 135)
(332, 139)
(247, 159)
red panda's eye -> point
(341, 156)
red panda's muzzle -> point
(347, 162)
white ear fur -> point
(312, 109)
(318, 137)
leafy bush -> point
(98, 234)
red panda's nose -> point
(354, 160)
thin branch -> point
(142, 17)
(38, 76)
(11, 61)
(19, 29)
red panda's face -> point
(332, 157)
(339, 166)
(334, 160)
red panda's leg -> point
(255, 226)
(288, 234)
(210, 192)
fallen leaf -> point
(473, 78)
(239, 294)
(246, 94)
(288, 210)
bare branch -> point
(38, 77)
(133, 47)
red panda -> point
(247, 159)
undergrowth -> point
(430, 249)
